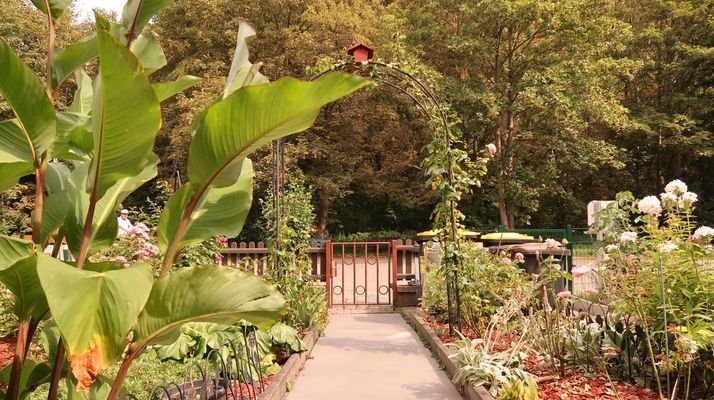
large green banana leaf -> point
(165, 90)
(232, 128)
(243, 72)
(137, 13)
(226, 133)
(205, 294)
(149, 52)
(13, 250)
(104, 224)
(221, 210)
(69, 59)
(57, 7)
(23, 281)
(125, 115)
(82, 102)
(96, 316)
(27, 138)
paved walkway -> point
(371, 356)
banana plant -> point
(88, 159)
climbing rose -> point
(580, 271)
(650, 205)
(628, 237)
(703, 232)
(218, 259)
(506, 261)
(491, 148)
(677, 187)
(519, 256)
(565, 294)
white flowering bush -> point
(659, 271)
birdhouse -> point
(361, 52)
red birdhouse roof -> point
(359, 46)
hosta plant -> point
(87, 159)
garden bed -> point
(575, 386)
(281, 382)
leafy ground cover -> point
(573, 386)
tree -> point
(536, 77)
(671, 98)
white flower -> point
(677, 187)
(687, 344)
(628, 237)
(688, 199)
(667, 247)
(611, 247)
(702, 232)
(650, 205)
(669, 200)
(491, 148)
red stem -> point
(123, 371)
(56, 371)
(13, 390)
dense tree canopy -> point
(584, 98)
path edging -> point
(278, 389)
(441, 352)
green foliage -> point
(288, 235)
(656, 270)
(478, 367)
(486, 283)
(104, 145)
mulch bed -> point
(574, 386)
(7, 351)
(247, 390)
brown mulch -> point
(7, 351)
(247, 391)
(576, 385)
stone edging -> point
(278, 389)
(441, 352)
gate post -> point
(394, 273)
(328, 272)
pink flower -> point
(592, 291)
(519, 256)
(630, 258)
(506, 261)
(218, 259)
(580, 271)
(120, 259)
(223, 241)
(551, 244)
(491, 148)
(565, 294)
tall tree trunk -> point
(501, 183)
(322, 209)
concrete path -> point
(371, 356)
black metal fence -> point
(232, 372)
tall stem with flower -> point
(654, 273)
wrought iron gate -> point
(360, 273)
